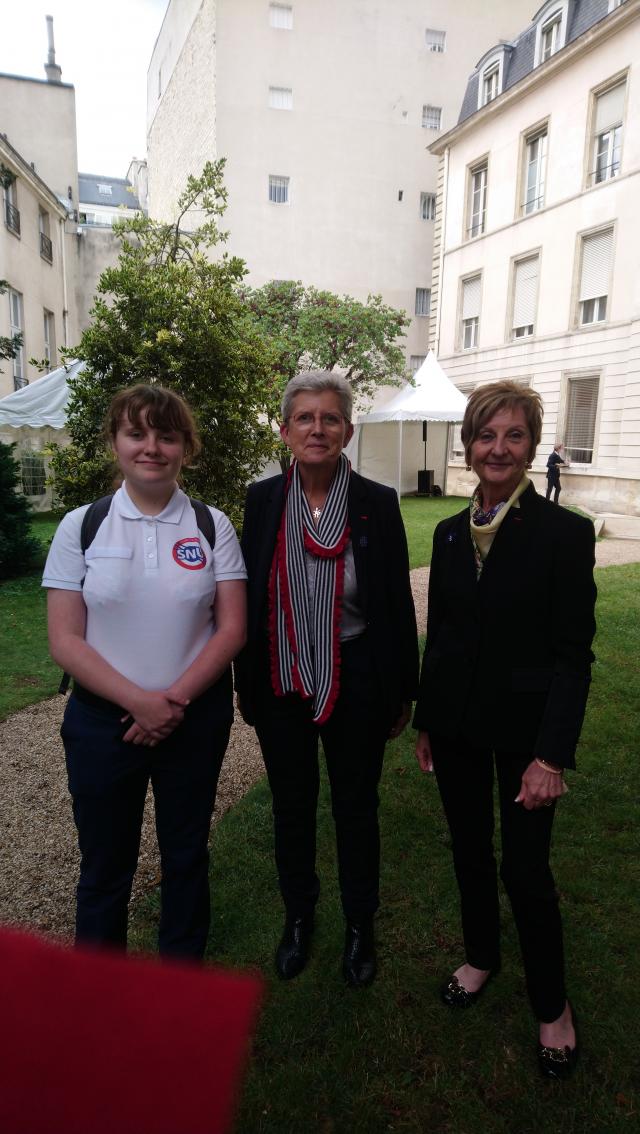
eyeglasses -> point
(329, 420)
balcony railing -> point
(46, 248)
(12, 217)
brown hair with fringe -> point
(485, 401)
(160, 408)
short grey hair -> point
(315, 382)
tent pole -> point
(446, 460)
(400, 460)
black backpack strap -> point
(92, 519)
(205, 521)
(96, 513)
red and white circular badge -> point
(189, 554)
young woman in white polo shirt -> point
(147, 621)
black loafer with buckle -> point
(455, 995)
(559, 1062)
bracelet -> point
(548, 768)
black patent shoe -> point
(455, 995)
(559, 1062)
(359, 960)
(293, 951)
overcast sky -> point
(104, 49)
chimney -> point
(52, 71)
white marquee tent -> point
(33, 417)
(398, 439)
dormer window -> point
(491, 73)
(551, 33)
(490, 83)
(104, 189)
(549, 37)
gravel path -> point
(38, 852)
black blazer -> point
(384, 589)
(507, 661)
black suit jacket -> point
(384, 589)
(507, 661)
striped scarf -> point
(303, 662)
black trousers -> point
(465, 779)
(555, 485)
(353, 739)
(108, 781)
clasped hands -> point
(154, 716)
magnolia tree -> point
(311, 329)
(170, 312)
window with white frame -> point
(16, 324)
(595, 273)
(105, 190)
(436, 40)
(615, 4)
(490, 83)
(477, 203)
(431, 117)
(281, 16)
(415, 362)
(278, 189)
(423, 300)
(470, 313)
(427, 206)
(607, 133)
(525, 296)
(456, 448)
(534, 173)
(580, 423)
(49, 337)
(550, 36)
(281, 98)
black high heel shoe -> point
(559, 1062)
(455, 995)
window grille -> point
(33, 474)
(281, 16)
(427, 206)
(432, 117)
(436, 40)
(278, 190)
(423, 300)
(281, 98)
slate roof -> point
(121, 191)
(518, 61)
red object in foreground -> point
(100, 1043)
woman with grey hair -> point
(331, 655)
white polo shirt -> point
(148, 583)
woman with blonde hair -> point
(503, 690)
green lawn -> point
(391, 1058)
(27, 673)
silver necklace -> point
(317, 512)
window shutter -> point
(596, 264)
(609, 108)
(471, 298)
(525, 292)
(581, 415)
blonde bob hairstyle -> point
(485, 401)
(158, 407)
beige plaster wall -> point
(39, 119)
